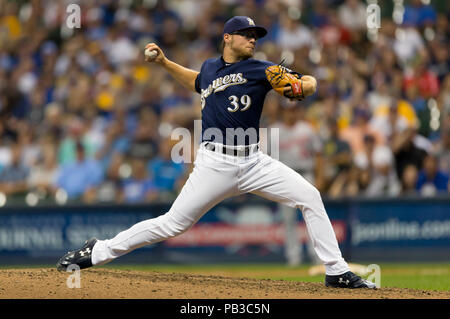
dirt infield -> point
(47, 283)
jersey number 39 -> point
(245, 100)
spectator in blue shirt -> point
(116, 142)
(419, 15)
(13, 177)
(166, 172)
(139, 188)
(81, 177)
(431, 180)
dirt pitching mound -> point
(98, 283)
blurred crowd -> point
(83, 118)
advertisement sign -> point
(401, 230)
(246, 231)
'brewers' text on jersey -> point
(232, 97)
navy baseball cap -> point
(238, 23)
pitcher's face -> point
(243, 43)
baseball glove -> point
(281, 78)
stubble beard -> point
(241, 53)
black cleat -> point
(348, 280)
(80, 257)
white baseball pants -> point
(216, 177)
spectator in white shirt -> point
(352, 14)
(293, 35)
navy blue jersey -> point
(232, 97)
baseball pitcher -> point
(229, 162)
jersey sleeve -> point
(197, 83)
(198, 79)
(263, 65)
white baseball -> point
(150, 53)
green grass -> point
(426, 276)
